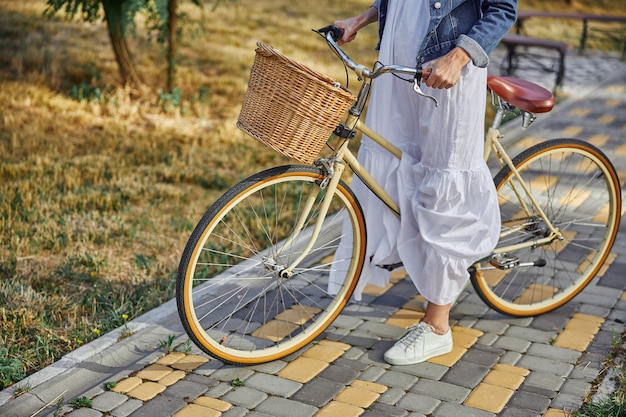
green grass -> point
(99, 187)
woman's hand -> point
(353, 24)
(445, 72)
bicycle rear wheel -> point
(232, 300)
(577, 188)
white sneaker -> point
(419, 345)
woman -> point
(450, 214)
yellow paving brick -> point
(323, 353)
(339, 409)
(616, 88)
(464, 336)
(553, 412)
(599, 140)
(613, 103)
(189, 362)
(416, 303)
(127, 385)
(503, 379)
(298, 314)
(574, 340)
(580, 111)
(620, 150)
(572, 131)
(528, 141)
(213, 403)
(357, 396)
(275, 330)
(154, 372)
(194, 410)
(588, 317)
(170, 358)
(489, 397)
(337, 345)
(404, 318)
(397, 275)
(449, 359)
(303, 369)
(147, 391)
(623, 297)
(172, 378)
(516, 370)
(370, 386)
(375, 290)
(606, 119)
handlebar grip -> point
(336, 31)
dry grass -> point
(99, 191)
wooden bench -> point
(525, 47)
(586, 18)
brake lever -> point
(418, 90)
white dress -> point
(450, 215)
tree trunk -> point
(171, 43)
(114, 18)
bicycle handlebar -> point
(333, 33)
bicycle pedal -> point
(504, 260)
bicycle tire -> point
(231, 299)
(578, 189)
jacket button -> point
(437, 5)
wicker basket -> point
(289, 107)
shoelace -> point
(414, 332)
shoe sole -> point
(441, 351)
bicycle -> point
(252, 284)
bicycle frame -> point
(344, 156)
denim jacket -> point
(477, 26)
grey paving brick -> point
(491, 326)
(576, 387)
(160, 406)
(529, 401)
(554, 352)
(245, 397)
(107, 401)
(510, 358)
(318, 392)
(271, 368)
(517, 412)
(391, 396)
(219, 390)
(441, 390)
(338, 373)
(352, 364)
(538, 391)
(420, 403)
(515, 344)
(423, 370)
(347, 322)
(360, 339)
(126, 408)
(465, 374)
(236, 412)
(567, 402)
(385, 331)
(467, 308)
(273, 385)
(487, 339)
(483, 355)
(544, 380)
(230, 373)
(384, 410)
(530, 335)
(397, 379)
(85, 412)
(458, 410)
(535, 363)
(551, 322)
(372, 373)
(208, 368)
(354, 353)
(282, 407)
(585, 371)
(186, 390)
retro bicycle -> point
(252, 283)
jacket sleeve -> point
(498, 16)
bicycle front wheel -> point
(234, 300)
(577, 188)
